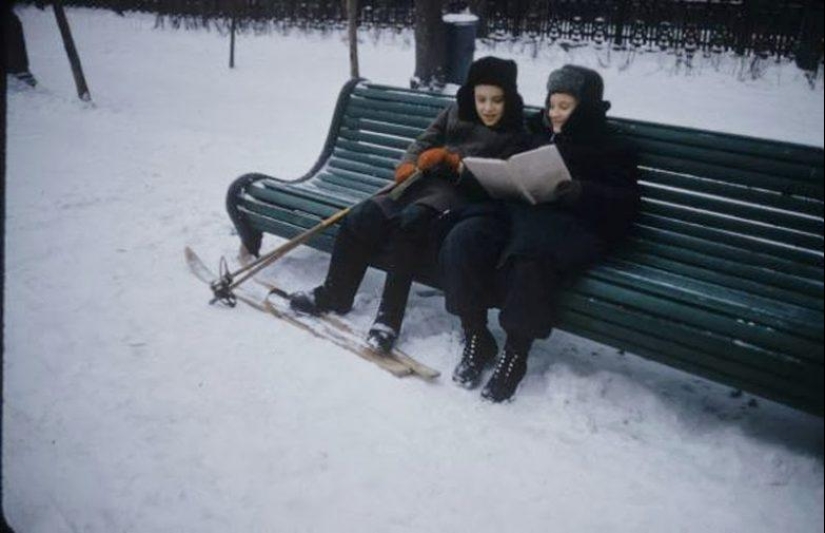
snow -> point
(131, 405)
(460, 19)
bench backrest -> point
(744, 207)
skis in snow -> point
(328, 326)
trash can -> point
(461, 44)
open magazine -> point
(532, 176)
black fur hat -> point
(492, 71)
(585, 84)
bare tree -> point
(430, 45)
(71, 51)
(352, 16)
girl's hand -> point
(433, 157)
(568, 192)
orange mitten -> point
(433, 157)
(403, 172)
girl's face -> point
(489, 104)
(560, 108)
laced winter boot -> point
(510, 369)
(479, 351)
(382, 337)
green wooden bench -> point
(722, 275)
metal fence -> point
(762, 28)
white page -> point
(539, 171)
(530, 176)
(493, 174)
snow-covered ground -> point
(132, 406)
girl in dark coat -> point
(516, 256)
(486, 121)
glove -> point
(568, 192)
(433, 157)
(403, 172)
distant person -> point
(518, 256)
(485, 120)
(17, 59)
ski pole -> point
(222, 287)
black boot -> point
(509, 371)
(27, 78)
(479, 351)
(315, 302)
(384, 331)
(347, 266)
(382, 337)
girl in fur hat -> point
(485, 121)
(517, 258)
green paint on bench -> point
(722, 275)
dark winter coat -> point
(440, 190)
(576, 230)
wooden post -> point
(71, 51)
(352, 16)
(232, 43)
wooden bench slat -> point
(300, 219)
(394, 107)
(381, 151)
(695, 298)
(343, 178)
(748, 194)
(378, 175)
(380, 140)
(736, 302)
(751, 235)
(720, 347)
(672, 232)
(730, 161)
(770, 149)
(306, 190)
(410, 97)
(407, 133)
(320, 241)
(751, 178)
(390, 117)
(365, 158)
(686, 359)
(345, 191)
(804, 292)
(298, 200)
(745, 215)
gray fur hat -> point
(585, 84)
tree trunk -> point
(232, 42)
(352, 16)
(71, 51)
(621, 17)
(808, 54)
(430, 45)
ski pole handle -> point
(399, 189)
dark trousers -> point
(524, 289)
(367, 232)
(17, 60)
